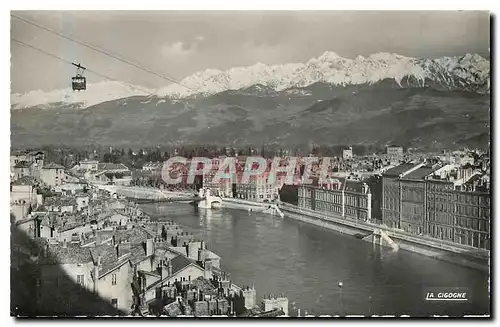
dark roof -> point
(179, 263)
(72, 254)
(398, 170)
(421, 172)
(26, 180)
(23, 164)
(204, 285)
(353, 186)
(271, 313)
(25, 220)
(111, 166)
(109, 258)
(133, 235)
(467, 166)
(52, 165)
(142, 173)
(473, 179)
(59, 201)
(71, 225)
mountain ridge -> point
(469, 72)
(380, 113)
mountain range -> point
(379, 99)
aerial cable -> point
(107, 53)
(71, 63)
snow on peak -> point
(95, 93)
(468, 70)
(334, 69)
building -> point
(65, 273)
(339, 196)
(257, 189)
(222, 187)
(88, 165)
(458, 209)
(391, 193)
(437, 201)
(52, 174)
(395, 151)
(24, 196)
(152, 166)
(107, 173)
(22, 169)
(113, 272)
(20, 160)
(347, 154)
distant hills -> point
(381, 99)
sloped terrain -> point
(322, 113)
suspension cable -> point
(95, 48)
(71, 63)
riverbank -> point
(267, 208)
(306, 262)
(454, 253)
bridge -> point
(148, 194)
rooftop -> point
(72, 254)
(421, 172)
(52, 165)
(204, 285)
(109, 258)
(23, 164)
(26, 180)
(353, 186)
(133, 235)
(180, 262)
(398, 170)
(474, 178)
(111, 166)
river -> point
(307, 262)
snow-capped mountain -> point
(95, 93)
(470, 72)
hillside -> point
(323, 113)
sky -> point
(179, 43)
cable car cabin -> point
(79, 83)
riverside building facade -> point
(345, 198)
(438, 201)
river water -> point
(307, 262)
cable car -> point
(79, 82)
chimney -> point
(149, 247)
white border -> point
(182, 5)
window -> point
(79, 280)
(114, 303)
(113, 279)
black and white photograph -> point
(250, 164)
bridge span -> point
(148, 193)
